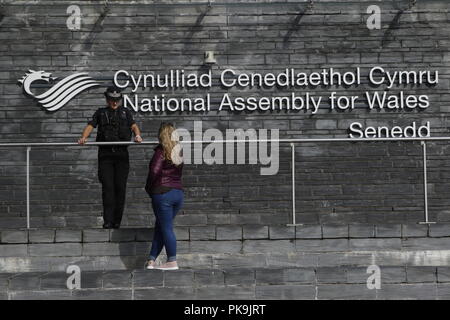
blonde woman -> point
(165, 189)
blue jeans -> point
(165, 207)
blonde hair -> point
(168, 138)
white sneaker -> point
(149, 265)
(168, 266)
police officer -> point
(115, 123)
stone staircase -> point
(344, 282)
(231, 262)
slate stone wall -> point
(336, 182)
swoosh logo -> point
(62, 92)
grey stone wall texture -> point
(337, 183)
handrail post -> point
(293, 182)
(28, 187)
(294, 223)
(425, 183)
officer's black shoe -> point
(108, 225)
(116, 225)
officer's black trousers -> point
(113, 168)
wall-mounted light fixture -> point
(209, 58)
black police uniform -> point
(113, 161)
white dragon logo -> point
(61, 93)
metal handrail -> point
(292, 142)
(306, 140)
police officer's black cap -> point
(113, 93)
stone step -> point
(233, 260)
(126, 249)
(344, 282)
(133, 248)
(229, 232)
